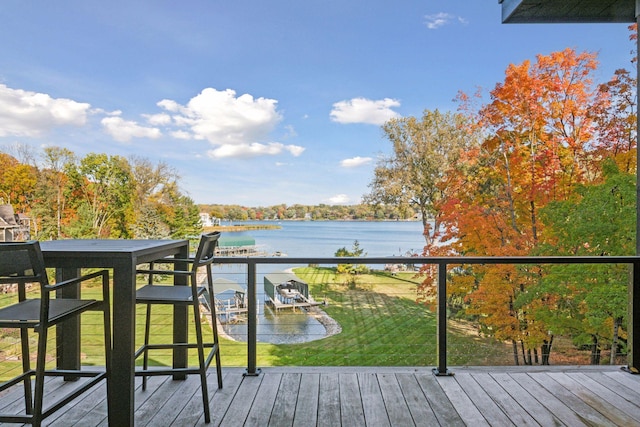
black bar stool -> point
(191, 295)
(21, 263)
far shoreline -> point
(268, 224)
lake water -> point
(313, 239)
(324, 238)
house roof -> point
(236, 241)
(221, 285)
(7, 215)
(568, 11)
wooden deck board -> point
(553, 405)
(441, 406)
(329, 403)
(504, 400)
(394, 402)
(375, 412)
(374, 396)
(487, 407)
(265, 400)
(593, 398)
(242, 401)
(221, 399)
(351, 410)
(284, 406)
(307, 404)
(615, 400)
(530, 404)
(465, 407)
(583, 410)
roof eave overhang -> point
(568, 11)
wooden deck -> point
(331, 396)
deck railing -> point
(417, 349)
(252, 263)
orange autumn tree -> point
(538, 147)
(617, 119)
(17, 183)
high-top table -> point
(122, 256)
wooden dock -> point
(278, 305)
(379, 396)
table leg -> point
(180, 319)
(68, 332)
(121, 390)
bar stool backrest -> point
(206, 249)
(21, 263)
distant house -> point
(13, 227)
(205, 219)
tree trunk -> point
(595, 351)
(546, 350)
(525, 360)
(516, 360)
(614, 340)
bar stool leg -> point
(214, 324)
(26, 367)
(203, 367)
(145, 357)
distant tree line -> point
(322, 212)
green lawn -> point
(382, 325)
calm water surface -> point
(313, 239)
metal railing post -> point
(633, 356)
(252, 320)
(441, 339)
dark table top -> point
(102, 252)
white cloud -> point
(222, 118)
(437, 20)
(252, 150)
(295, 150)
(362, 110)
(236, 126)
(124, 130)
(31, 114)
(180, 134)
(354, 162)
(339, 199)
(161, 119)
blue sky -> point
(258, 102)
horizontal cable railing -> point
(425, 352)
(380, 317)
(92, 337)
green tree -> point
(103, 186)
(591, 306)
(350, 271)
(151, 184)
(52, 197)
(423, 152)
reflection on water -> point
(286, 327)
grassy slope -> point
(381, 326)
